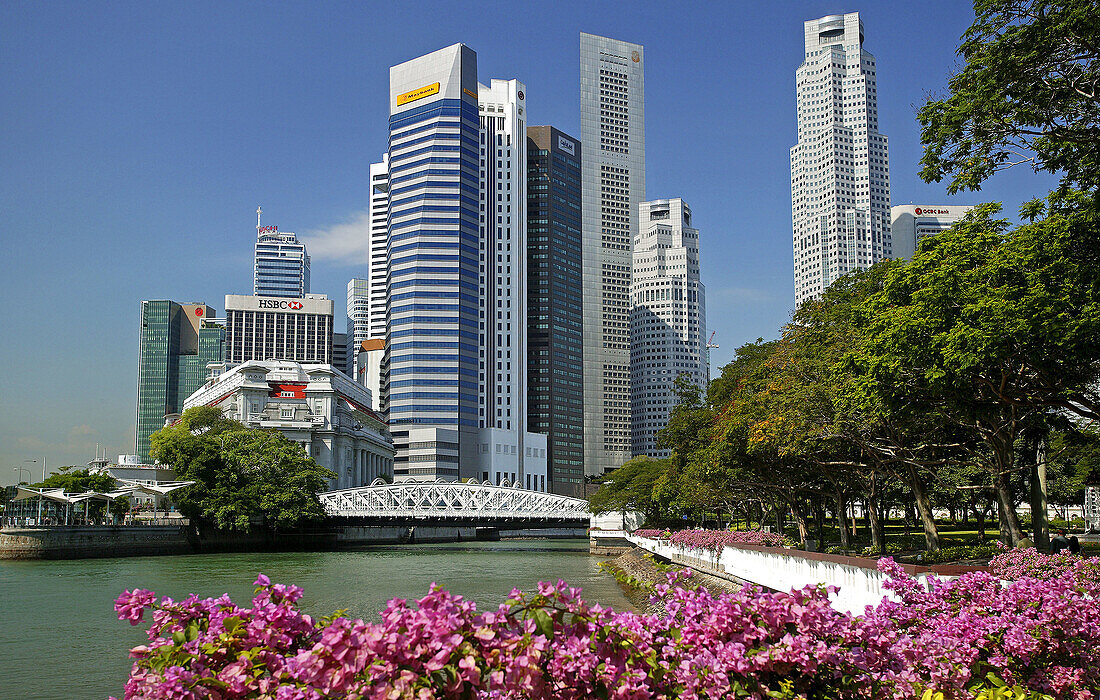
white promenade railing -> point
(860, 583)
(452, 500)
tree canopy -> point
(244, 478)
(1026, 95)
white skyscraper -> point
(668, 320)
(379, 236)
(358, 321)
(507, 450)
(612, 187)
(840, 181)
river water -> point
(60, 639)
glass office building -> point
(555, 404)
(612, 188)
(177, 341)
(282, 264)
(433, 260)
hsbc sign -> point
(280, 304)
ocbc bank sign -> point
(280, 304)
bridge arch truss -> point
(452, 501)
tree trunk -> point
(819, 523)
(842, 521)
(924, 509)
(979, 513)
(871, 506)
(1039, 504)
(1010, 522)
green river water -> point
(60, 639)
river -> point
(60, 639)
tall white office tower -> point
(281, 265)
(433, 257)
(379, 238)
(612, 187)
(840, 168)
(358, 321)
(506, 450)
(668, 320)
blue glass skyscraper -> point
(282, 263)
(433, 263)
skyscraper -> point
(840, 168)
(507, 450)
(176, 343)
(341, 348)
(433, 259)
(612, 187)
(358, 328)
(669, 318)
(377, 291)
(282, 264)
(554, 306)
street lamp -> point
(35, 461)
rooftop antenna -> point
(259, 211)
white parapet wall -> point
(781, 569)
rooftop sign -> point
(417, 94)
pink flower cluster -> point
(1042, 634)
(715, 540)
(1027, 562)
(653, 534)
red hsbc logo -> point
(280, 304)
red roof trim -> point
(277, 389)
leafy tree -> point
(243, 477)
(78, 481)
(1027, 94)
(995, 329)
(631, 488)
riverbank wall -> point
(89, 542)
(858, 579)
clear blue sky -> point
(139, 137)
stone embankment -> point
(81, 542)
(639, 571)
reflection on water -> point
(59, 637)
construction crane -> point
(710, 344)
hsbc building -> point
(277, 328)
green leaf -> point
(543, 623)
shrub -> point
(1033, 635)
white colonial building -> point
(311, 404)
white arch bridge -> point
(454, 503)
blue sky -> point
(138, 139)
